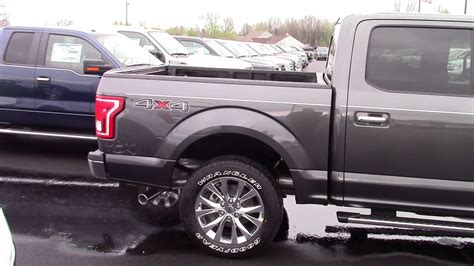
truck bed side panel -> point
(292, 118)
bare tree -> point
(4, 16)
(212, 27)
(246, 28)
(64, 22)
(228, 28)
(397, 6)
(442, 10)
(412, 6)
(274, 25)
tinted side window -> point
(20, 48)
(69, 52)
(195, 48)
(424, 60)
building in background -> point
(267, 37)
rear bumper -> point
(131, 169)
(96, 160)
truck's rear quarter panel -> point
(263, 107)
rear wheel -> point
(230, 207)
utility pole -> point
(465, 7)
(419, 6)
(126, 12)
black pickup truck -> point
(392, 129)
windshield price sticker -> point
(66, 53)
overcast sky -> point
(188, 13)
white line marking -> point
(54, 182)
(408, 110)
(225, 99)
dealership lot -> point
(60, 215)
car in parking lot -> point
(293, 51)
(172, 52)
(7, 248)
(321, 53)
(49, 77)
(263, 52)
(459, 64)
(206, 46)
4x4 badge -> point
(152, 104)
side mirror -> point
(96, 67)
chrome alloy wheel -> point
(229, 210)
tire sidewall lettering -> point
(228, 250)
(229, 173)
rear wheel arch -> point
(220, 121)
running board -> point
(30, 132)
(411, 223)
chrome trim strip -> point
(56, 182)
(46, 134)
(225, 99)
(412, 225)
(43, 112)
(52, 68)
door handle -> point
(43, 80)
(372, 119)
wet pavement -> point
(60, 215)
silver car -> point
(7, 249)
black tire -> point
(256, 178)
(284, 230)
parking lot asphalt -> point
(61, 215)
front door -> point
(64, 94)
(410, 128)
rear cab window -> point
(21, 49)
(420, 60)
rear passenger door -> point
(65, 96)
(17, 77)
(410, 127)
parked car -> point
(310, 51)
(7, 249)
(299, 57)
(380, 134)
(293, 51)
(321, 53)
(295, 63)
(49, 77)
(459, 66)
(205, 46)
(170, 51)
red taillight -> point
(106, 109)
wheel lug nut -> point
(236, 215)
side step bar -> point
(412, 223)
(31, 132)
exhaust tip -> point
(142, 199)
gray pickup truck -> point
(392, 129)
